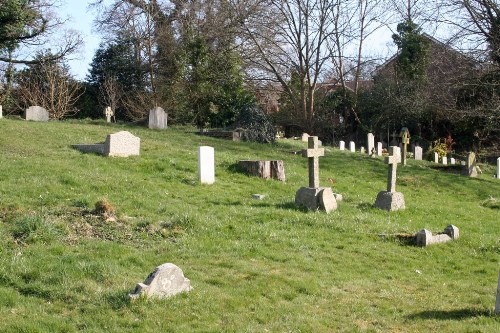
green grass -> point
(255, 265)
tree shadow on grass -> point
(459, 314)
(292, 206)
(118, 300)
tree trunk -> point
(264, 169)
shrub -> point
(257, 125)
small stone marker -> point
(165, 281)
(157, 118)
(470, 168)
(362, 150)
(379, 148)
(342, 145)
(352, 147)
(425, 237)
(305, 137)
(206, 165)
(1, 114)
(315, 197)
(452, 161)
(120, 144)
(258, 196)
(498, 168)
(370, 142)
(497, 305)
(390, 199)
(418, 153)
(108, 112)
(436, 157)
(36, 113)
(445, 160)
(405, 140)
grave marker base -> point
(390, 201)
(321, 198)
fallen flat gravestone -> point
(165, 281)
(390, 199)
(120, 144)
(157, 118)
(425, 237)
(36, 113)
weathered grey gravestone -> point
(425, 237)
(370, 143)
(352, 147)
(165, 281)
(120, 144)
(470, 166)
(418, 153)
(341, 145)
(108, 112)
(36, 113)
(157, 118)
(206, 164)
(315, 197)
(497, 305)
(390, 199)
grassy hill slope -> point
(255, 265)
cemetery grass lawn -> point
(255, 265)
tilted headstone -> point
(120, 144)
(206, 164)
(470, 168)
(315, 197)
(157, 118)
(418, 153)
(108, 112)
(497, 305)
(165, 281)
(305, 137)
(425, 237)
(36, 113)
(379, 148)
(352, 147)
(452, 161)
(445, 160)
(390, 199)
(436, 157)
(371, 142)
(342, 145)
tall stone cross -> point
(313, 153)
(405, 136)
(108, 112)
(393, 159)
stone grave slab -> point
(36, 113)
(165, 281)
(425, 237)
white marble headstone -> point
(498, 168)
(436, 158)
(341, 145)
(379, 148)
(371, 142)
(418, 153)
(445, 160)
(352, 146)
(206, 164)
(1, 115)
(452, 161)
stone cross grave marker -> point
(470, 165)
(418, 153)
(405, 140)
(206, 165)
(313, 153)
(392, 160)
(371, 143)
(342, 145)
(352, 147)
(390, 199)
(108, 112)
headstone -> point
(206, 165)
(352, 146)
(120, 144)
(497, 305)
(425, 237)
(362, 150)
(305, 137)
(445, 160)
(157, 118)
(36, 113)
(1, 114)
(470, 168)
(165, 281)
(498, 168)
(315, 197)
(452, 161)
(379, 148)
(341, 145)
(371, 142)
(390, 199)
(436, 157)
(108, 112)
(418, 153)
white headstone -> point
(418, 153)
(498, 168)
(36, 113)
(341, 145)
(206, 164)
(452, 161)
(157, 118)
(362, 150)
(305, 137)
(445, 160)
(1, 115)
(436, 157)
(122, 144)
(352, 146)
(379, 148)
(165, 281)
(371, 142)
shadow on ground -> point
(451, 314)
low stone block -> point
(165, 281)
(36, 113)
(120, 144)
(425, 237)
(320, 198)
(390, 201)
